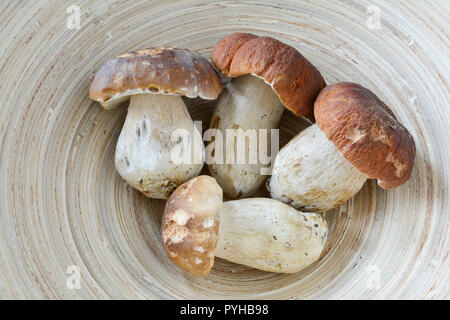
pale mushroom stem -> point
(311, 174)
(247, 102)
(269, 235)
(144, 152)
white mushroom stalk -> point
(248, 104)
(269, 235)
(144, 152)
(310, 174)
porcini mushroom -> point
(271, 76)
(356, 137)
(154, 79)
(261, 233)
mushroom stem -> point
(247, 102)
(310, 174)
(144, 152)
(269, 235)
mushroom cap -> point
(154, 70)
(293, 78)
(366, 132)
(190, 224)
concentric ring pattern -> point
(63, 204)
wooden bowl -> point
(64, 208)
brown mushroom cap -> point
(366, 132)
(155, 70)
(190, 224)
(293, 78)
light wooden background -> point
(62, 202)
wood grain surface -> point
(62, 202)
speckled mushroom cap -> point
(190, 224)
(154, 70)
(293, 78)
(366, 132)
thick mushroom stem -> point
(269, 235)
(310, 174)
(145, 149)
(247, 102)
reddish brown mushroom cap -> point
(293, 78)
(155, 70)
(366, 132)
(190, 225)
